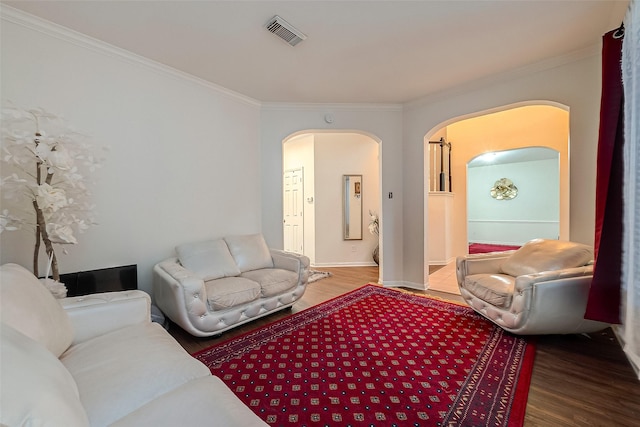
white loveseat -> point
(219, 284)
(97, 360)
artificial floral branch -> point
(41, 227)
(60, 206)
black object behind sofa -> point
(112, 279)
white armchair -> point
(541, 288)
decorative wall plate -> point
(504, 189)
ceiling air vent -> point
(285, 31)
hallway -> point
(444, 279)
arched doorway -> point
(513, 196)
(534, 124)
(324, 158)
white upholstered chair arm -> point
(555, 301)
(179, 292)
(291, 262)
(97, 314)
(175, 272)
(526, 281)
(488, 263)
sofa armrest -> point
(179, 293)
(526, 281)
(555, 302)
(96, 314)
(292, 262)
(487, 263)
(173, 272)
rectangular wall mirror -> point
(352, 207)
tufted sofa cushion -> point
(209, 259)
(230, 292)
(123, 370)
(273, 281)
(546, 255)
(496, 289)
(43, 394)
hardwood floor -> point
(577, 380)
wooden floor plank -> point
(578, 380)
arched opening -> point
(533, 124)
(317, 162)
(513, 196)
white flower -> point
(61, 234)
(8, 222)
(42, 150)
(53, 155)
(374, 223)
(58, 289)
(47, 161)
(60, 159)
(50, 199)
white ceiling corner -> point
(357, 52)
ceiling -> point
(355, 52)
(516, 155)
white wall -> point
(184, 160)
(574, 82)
(533, 213)
(440, 228)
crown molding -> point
(26, 20)
(305, 106)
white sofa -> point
(541, 288)
(98, 360)
(219, 284)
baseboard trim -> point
(404, 284)
(344, 264)
(440, 262)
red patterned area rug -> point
(480, 248)
(379, 357)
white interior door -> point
(293, 211)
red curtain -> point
(604, 294)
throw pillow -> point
(250, 252)
(36, 389)
(210, 259)
(28, 306)
(546, 255)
